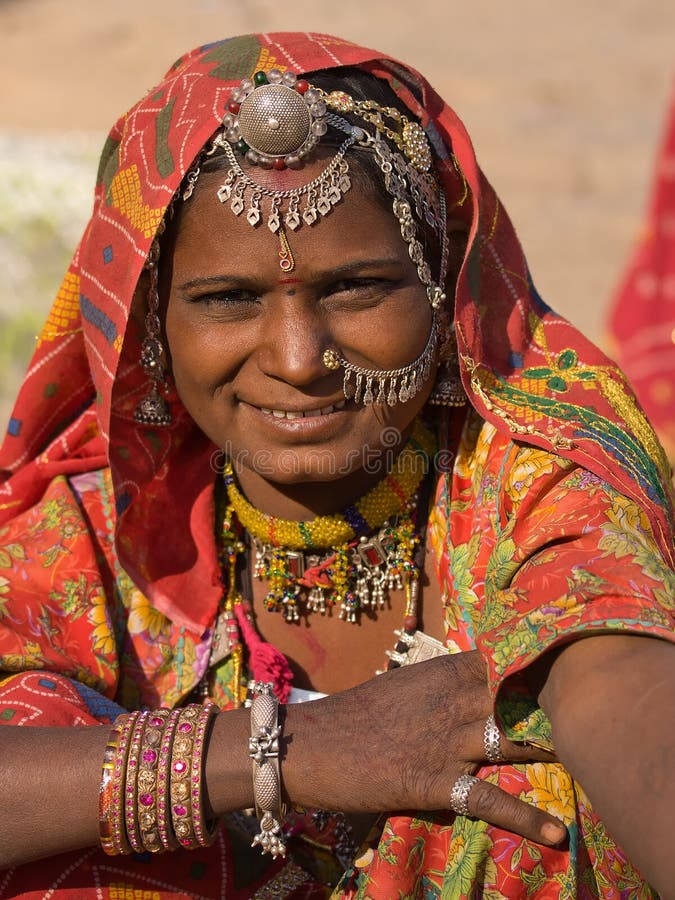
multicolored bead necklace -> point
(357, 567)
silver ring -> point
(493, 750)
(459, 794)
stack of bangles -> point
(151, 795)
(152, 786)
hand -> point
(400, 741)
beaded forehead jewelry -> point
(275, 120)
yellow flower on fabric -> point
(145, 618)
(564, 605)
(530, 465)
(628, 534)
(474, 448)
(99, 616)
(552, 789)
(627, 515)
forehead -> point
(362, 223)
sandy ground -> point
(564, 101)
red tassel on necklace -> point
(265, 661)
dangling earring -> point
(448, 389)
(153, 409)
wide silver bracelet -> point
(263, 747)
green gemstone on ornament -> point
(259, 78)
(241, 146)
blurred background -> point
(564, 101)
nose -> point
(293, 336)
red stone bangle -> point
(181, 768)
(130, 814)
(111, 794)
(146, 780)
(205, 832)
(186, 779)
(166, 835)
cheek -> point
(201, 354)
(388, 336)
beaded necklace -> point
(357, 568)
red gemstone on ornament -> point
(302, 86)
(179, 766)
(180, 810)
(146, 799)
(410, 624)
(279, 165)
(156, 721)
(149, 756)
(185, 727)
(233, 106)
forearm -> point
(50, 777)
(609, 699)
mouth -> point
(303, 414)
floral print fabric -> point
(530, 551)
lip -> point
(300, 424)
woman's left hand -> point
(400, 741)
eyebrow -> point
(336, 272)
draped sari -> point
(552, 517)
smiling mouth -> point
(307, 414)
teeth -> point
(310, 413)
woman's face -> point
(246, 339)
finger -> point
(511, 751)
(491, 804)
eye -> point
(235, 297)
(360, 288)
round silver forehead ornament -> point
(275, 118)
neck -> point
(302, 501)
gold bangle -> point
(111, 795)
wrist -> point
(228, 767)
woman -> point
(248, 408)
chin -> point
(313, 466)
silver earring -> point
(154, 408)
(448, 388)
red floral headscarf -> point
(525, 368)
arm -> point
(404, 738)
(610, 702)
(49, 781)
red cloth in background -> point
(642, 319)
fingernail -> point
(554, 834)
